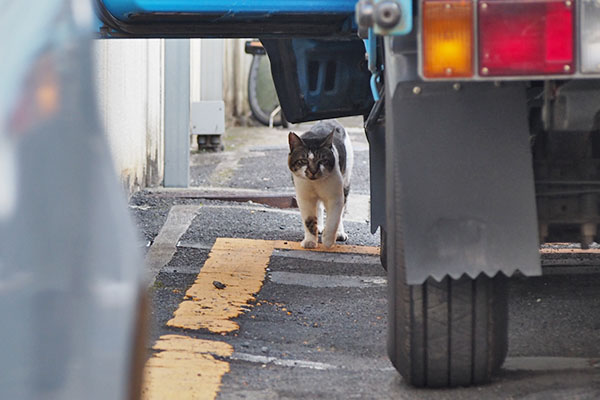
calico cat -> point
(321, 164)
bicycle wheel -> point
(262, 95)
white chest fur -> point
(322, 189)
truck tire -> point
(449, 333)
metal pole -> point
(177, 112)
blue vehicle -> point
(72, 290)
(483, 119)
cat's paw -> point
(309, 244)
(341, 237)
(328, 241)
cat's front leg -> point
(308, 211)
(334, 210)
(341, 235)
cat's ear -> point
(328, 142)
(294, 141)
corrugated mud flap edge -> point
(459, 185)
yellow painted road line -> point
(567, 251)
(185, 368)
(366, 250)
(240, 264)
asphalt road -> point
(316, 329)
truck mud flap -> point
(463, 178)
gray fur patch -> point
(311, 225)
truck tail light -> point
(590, 36)
(533, 37)
(447, 35)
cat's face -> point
(311, 158)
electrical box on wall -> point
(208, 117)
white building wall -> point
(130, 86)
(236, 65)
(130, 82)
(234, 86)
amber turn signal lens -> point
(447, 38)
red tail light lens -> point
(531, 37)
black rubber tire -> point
(262, 96)
(444, 334)
(449, 333)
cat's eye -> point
(302, 162)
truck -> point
(483, 121)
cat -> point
(321, 162)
